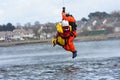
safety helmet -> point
(65, 23)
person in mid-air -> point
(65, 37)
(70, 19)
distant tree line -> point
(7, 27)
(115, 14)
(103, 19)
(39, 28)
(99, 15)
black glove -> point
(63, 9)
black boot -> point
(74, 54)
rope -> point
(63, 3)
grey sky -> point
(23, 11)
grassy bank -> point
(3, 44)
(80, 38)
(99, 37)
(91, 38)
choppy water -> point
(97, 60)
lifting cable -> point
(63, 3)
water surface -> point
(97, 60)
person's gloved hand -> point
(63, 9)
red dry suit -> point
(68, 36)
(71, 21)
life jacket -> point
(64, 33)
(61, 41)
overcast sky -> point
(24, 11)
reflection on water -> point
(95, 61)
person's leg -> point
(70, 46)
(66, 47)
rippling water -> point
(97, 60)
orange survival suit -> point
(65, 37)
(71, 21)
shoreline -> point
(6, 44)
(79, 38)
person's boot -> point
(74, 54)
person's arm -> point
(63, 13)
(69, 18)
(64, 16)
(63, 9)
